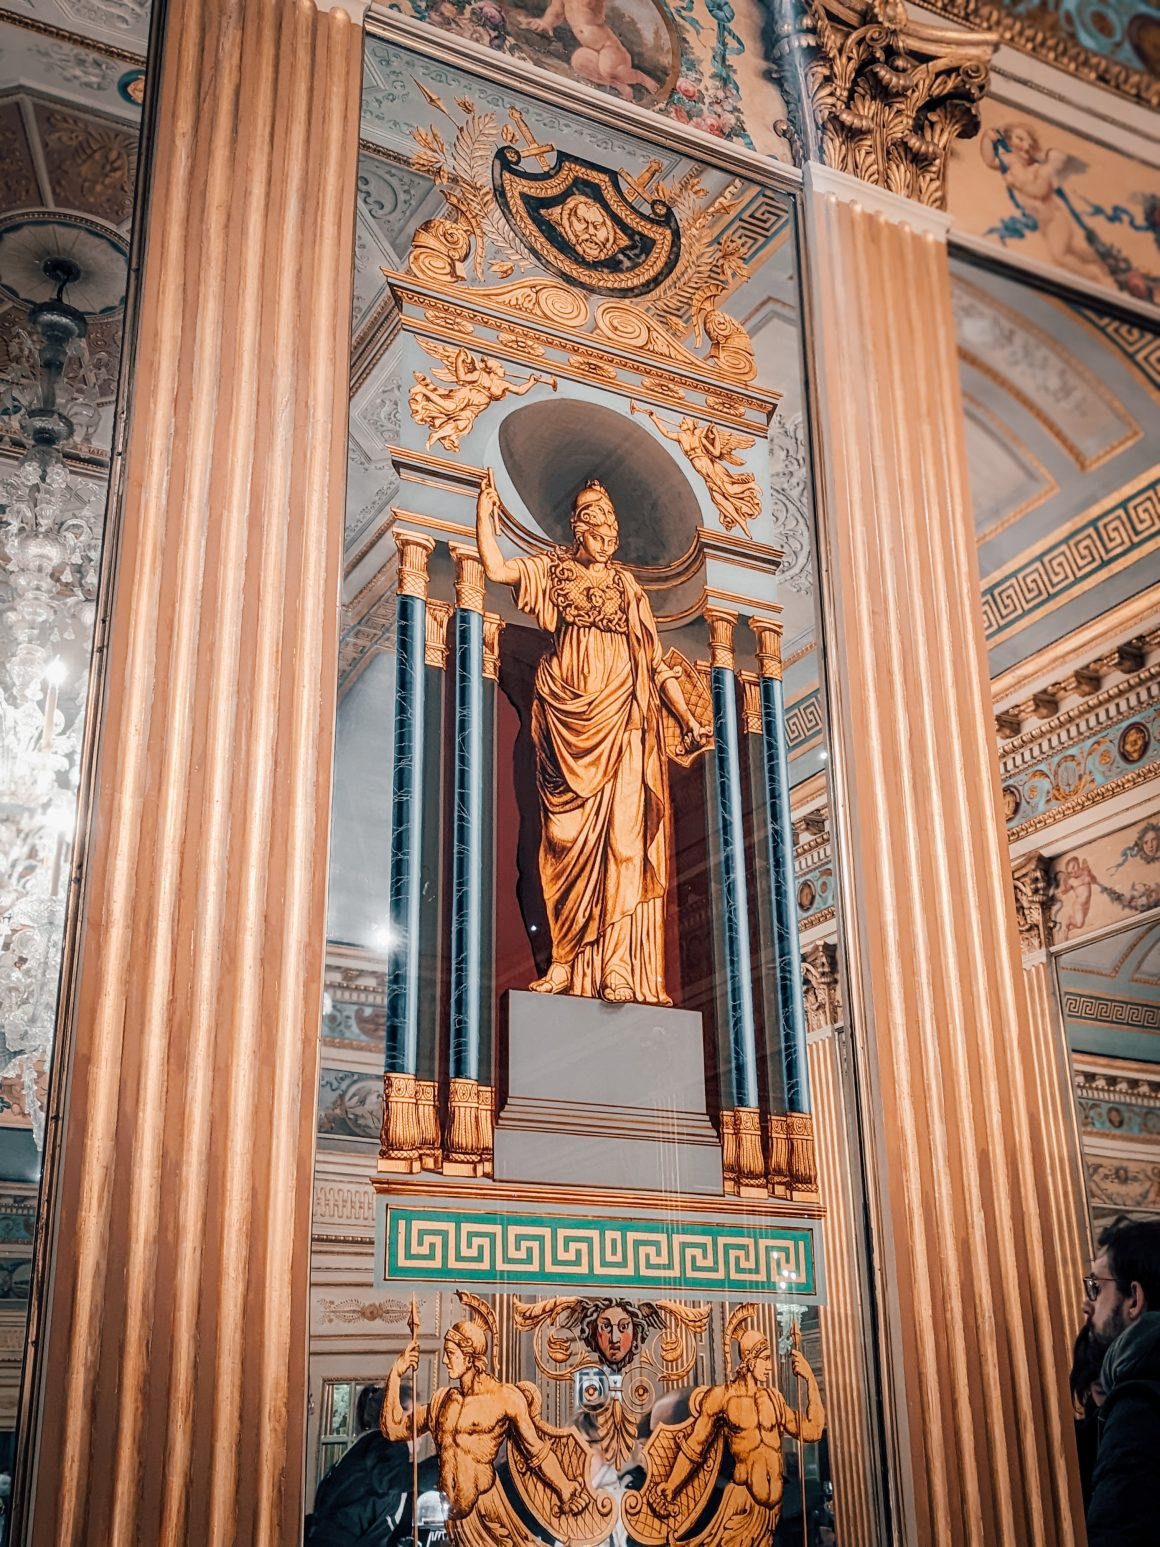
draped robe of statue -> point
(601, 773)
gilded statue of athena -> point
(601, 771)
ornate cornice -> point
(875, 94)
(1051, 46)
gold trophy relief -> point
(713, 1460)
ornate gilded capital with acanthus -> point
(1032, 877)
(873, 93)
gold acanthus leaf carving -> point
(461, 171)
(474, 383)
(628, 327)
(873, 93)
(547, 299)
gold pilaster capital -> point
(414, 550)
(438, 618)
(493, 626)
(872, 92)
(721, 623)
(768, 634)
(1031, 876)
(750, 703)
(469, 577)
(821, 986)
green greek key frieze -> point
(655, 1256)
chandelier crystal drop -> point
(50, 537)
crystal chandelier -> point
(50, 534)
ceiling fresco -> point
(1110, 991)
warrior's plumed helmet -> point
(593, 506)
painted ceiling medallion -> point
(31, 242)
(581, 224)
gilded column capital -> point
(1032, 880)
(750, 703)
(493, 626)
(469, 578)
(821, 987)
(721, 623)
(437, 619)
(768, 634)
(872, 92)
(414, 550)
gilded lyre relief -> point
(474, 384)
(619, 1356)
(601, 697)
(471, 1421)
(745, 1417)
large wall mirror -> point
(71, 92)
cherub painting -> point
(1036, 184)
(1073, 896)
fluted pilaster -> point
(976, 1348)
(171, 1373)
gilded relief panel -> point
(563, 920)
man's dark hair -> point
(1086, 1359)
(1132, 1247)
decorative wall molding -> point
(1106, 742)
(1051, 45)
(1123, 531)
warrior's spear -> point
(795, 1333)
(413, 1327)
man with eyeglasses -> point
(1123, 1290)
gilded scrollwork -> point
(869, 91)
(471, 1420)
(474, 383)
(712, 453)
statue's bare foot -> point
(616, 990)
(554, 981)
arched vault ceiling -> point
(1063, 442)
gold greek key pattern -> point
(1119, 535)
(1133, 1013)
(803, 721)
(1141, 345)
(639, 1254)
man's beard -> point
(1103, 1338)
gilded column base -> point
(778, 1163)
(427, 1106)
(742, 1154)
(401, 1146)
(803, 1155)
(470, 1129)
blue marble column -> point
(791, 1028)
(466, 1138)
(401, 1146)
(743, 1148)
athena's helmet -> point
(593, 507)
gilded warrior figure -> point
(470, 1422)
(747, 1417)
(601, 771)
